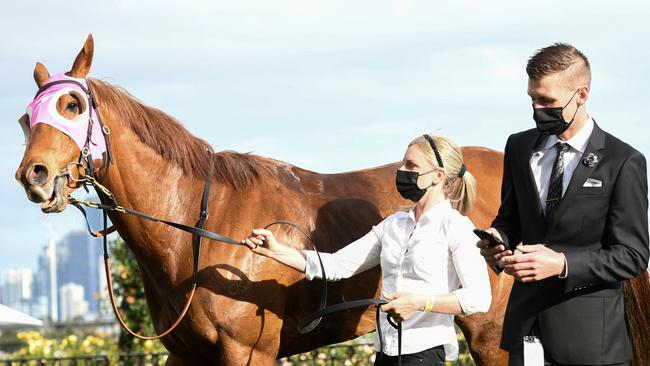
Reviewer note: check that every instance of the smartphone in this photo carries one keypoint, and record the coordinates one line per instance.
(486, 235)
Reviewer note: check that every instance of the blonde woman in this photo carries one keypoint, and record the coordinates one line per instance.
(431, 268)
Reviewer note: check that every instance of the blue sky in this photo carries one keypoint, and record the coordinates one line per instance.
(329, 86)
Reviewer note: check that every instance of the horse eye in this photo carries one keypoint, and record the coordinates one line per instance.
(72, 106)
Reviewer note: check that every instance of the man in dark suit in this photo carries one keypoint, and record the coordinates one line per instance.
(574, 224)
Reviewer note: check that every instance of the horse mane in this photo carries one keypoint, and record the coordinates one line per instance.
(175, 144)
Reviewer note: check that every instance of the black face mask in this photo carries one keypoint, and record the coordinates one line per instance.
(550, 121)
(407, 185)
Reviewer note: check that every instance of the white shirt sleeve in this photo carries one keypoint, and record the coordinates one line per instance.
(474, 295)
(354, 258)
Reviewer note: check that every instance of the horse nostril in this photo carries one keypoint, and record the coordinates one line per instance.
(37, 174)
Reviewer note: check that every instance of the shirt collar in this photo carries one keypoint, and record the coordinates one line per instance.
(433, 212)
(578, 141)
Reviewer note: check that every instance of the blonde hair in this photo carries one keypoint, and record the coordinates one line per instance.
(460, 190)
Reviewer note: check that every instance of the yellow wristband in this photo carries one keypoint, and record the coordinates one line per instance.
(429, 305)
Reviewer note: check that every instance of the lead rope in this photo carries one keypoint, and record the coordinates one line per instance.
(309, 323)
(196, 250)
(108, 203)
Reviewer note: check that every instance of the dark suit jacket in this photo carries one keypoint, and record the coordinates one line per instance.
(603, 232)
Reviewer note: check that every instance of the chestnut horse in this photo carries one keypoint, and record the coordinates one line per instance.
(247, 307)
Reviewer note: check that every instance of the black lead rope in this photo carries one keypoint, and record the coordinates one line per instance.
(360, 303)
(306, 325)
(309, 323)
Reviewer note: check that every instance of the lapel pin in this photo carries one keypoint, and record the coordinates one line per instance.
(590, 160)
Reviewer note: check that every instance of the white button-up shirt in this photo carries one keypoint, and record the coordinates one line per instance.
(541, 163)
(434, 256)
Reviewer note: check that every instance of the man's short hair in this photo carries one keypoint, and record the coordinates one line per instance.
(560, 57)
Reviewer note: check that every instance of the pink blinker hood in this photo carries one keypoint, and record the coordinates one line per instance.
(43, 110)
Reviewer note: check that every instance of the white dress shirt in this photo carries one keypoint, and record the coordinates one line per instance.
(541, 163)
(434, 256)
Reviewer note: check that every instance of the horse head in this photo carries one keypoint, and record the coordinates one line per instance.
(56, 127)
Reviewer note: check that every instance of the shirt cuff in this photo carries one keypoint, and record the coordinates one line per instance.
(312, 267)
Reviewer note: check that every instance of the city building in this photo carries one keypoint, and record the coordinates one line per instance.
(73, 303)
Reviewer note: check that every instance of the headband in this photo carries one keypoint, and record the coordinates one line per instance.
(463, 168)
(435, 149)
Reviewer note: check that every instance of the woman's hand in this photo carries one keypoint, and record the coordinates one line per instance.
(263, 242)
(403, 305)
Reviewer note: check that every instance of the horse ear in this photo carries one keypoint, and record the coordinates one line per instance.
(41, 75)
(81, 66)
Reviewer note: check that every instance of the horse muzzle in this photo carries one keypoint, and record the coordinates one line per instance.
(40, 189)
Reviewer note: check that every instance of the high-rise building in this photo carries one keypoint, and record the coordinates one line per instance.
(17, 288)
(45, 301)
(73, 303)
(77, 262)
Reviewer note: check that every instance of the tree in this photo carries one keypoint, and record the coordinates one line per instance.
(130, 298)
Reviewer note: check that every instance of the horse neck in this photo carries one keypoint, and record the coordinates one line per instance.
(141, 179)
(144, 182)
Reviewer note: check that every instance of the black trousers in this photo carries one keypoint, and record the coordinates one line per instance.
(517, 359)
(429, 357)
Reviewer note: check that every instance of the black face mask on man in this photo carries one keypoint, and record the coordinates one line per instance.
(407, 185)
(550, 121)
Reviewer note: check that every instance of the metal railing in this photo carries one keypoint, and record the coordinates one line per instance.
(100, 360)
(336, 355)
(130, 359)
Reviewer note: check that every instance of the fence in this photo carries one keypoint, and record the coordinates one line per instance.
(360, 354)
(132, 359)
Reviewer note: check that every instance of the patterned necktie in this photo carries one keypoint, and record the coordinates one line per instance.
(555, 182)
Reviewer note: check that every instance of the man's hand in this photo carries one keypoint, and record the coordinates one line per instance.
(533, 263)
(494, 254)
(403, 305)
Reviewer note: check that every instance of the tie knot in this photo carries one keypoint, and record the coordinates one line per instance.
(562, 147)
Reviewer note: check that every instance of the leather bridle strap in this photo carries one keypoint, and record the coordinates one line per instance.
(356, 304)
(197, 231)
(196, 248)
(105, 196)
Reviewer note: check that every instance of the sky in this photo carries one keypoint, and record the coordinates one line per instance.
(329, 86)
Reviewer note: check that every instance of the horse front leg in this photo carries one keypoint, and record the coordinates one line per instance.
(250, 340)
(237, 354)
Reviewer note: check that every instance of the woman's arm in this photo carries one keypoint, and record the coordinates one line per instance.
(474, 294)
(354, 258)
(404, 305)
(263, 242)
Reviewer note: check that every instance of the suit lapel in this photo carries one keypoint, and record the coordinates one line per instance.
(534, 202)
(582, 171)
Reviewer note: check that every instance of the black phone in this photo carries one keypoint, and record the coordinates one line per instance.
(486, 235)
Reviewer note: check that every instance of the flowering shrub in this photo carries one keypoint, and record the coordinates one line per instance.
(36, 345)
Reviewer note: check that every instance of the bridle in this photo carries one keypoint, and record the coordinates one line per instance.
(108, 203)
